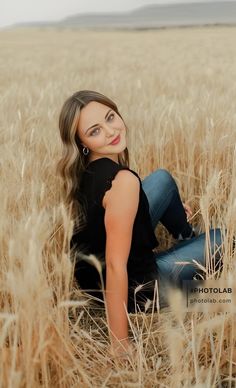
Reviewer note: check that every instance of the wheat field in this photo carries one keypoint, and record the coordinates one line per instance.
(175, 89)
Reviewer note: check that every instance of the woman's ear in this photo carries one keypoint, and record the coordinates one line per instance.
(78, 142)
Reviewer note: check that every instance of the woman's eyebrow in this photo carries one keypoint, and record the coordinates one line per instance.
(94, 125)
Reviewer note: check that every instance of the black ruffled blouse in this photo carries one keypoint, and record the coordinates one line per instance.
(141, 266)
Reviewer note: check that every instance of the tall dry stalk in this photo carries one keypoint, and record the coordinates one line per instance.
(176, 92)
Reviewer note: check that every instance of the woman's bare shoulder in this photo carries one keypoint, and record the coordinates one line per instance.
(125, 186)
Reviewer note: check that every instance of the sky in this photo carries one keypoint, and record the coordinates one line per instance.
(15, 11)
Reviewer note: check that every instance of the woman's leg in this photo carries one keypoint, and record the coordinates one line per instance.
(165, 204)
(176, 264)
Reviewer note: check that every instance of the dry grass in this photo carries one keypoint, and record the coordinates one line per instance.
(176, 91)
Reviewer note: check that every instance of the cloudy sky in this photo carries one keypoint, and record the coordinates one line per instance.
(13, 11)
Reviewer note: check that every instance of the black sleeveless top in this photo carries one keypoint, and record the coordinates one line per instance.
(141, 266)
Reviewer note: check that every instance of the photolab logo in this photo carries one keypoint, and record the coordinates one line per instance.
(212, 290)
(209, 295)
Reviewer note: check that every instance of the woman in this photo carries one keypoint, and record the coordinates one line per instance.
(115, 214)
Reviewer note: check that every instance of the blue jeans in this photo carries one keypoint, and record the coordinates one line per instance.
(165, 206)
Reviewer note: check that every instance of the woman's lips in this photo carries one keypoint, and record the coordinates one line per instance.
(116, 140)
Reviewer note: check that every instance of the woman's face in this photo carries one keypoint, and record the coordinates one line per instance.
(106, 126)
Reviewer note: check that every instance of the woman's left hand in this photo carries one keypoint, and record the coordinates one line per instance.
(188, 211)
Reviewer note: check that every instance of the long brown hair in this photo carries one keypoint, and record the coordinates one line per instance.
(73, 162)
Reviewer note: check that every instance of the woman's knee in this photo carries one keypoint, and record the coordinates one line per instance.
(164, 178)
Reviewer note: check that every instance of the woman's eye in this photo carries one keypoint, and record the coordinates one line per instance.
(91, 133)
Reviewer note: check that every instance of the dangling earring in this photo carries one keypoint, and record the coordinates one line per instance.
(84, 151)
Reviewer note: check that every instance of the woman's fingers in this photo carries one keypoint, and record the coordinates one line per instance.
(188, 210)
(123, 355)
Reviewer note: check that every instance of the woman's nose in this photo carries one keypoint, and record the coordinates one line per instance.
(109, 130)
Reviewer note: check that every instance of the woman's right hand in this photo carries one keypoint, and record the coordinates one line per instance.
(122, 352)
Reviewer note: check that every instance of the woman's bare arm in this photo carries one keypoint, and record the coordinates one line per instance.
(121, 204)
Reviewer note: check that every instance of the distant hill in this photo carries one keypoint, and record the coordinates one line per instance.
(153, 16)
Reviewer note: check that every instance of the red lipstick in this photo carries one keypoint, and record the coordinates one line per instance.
(116, 140)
